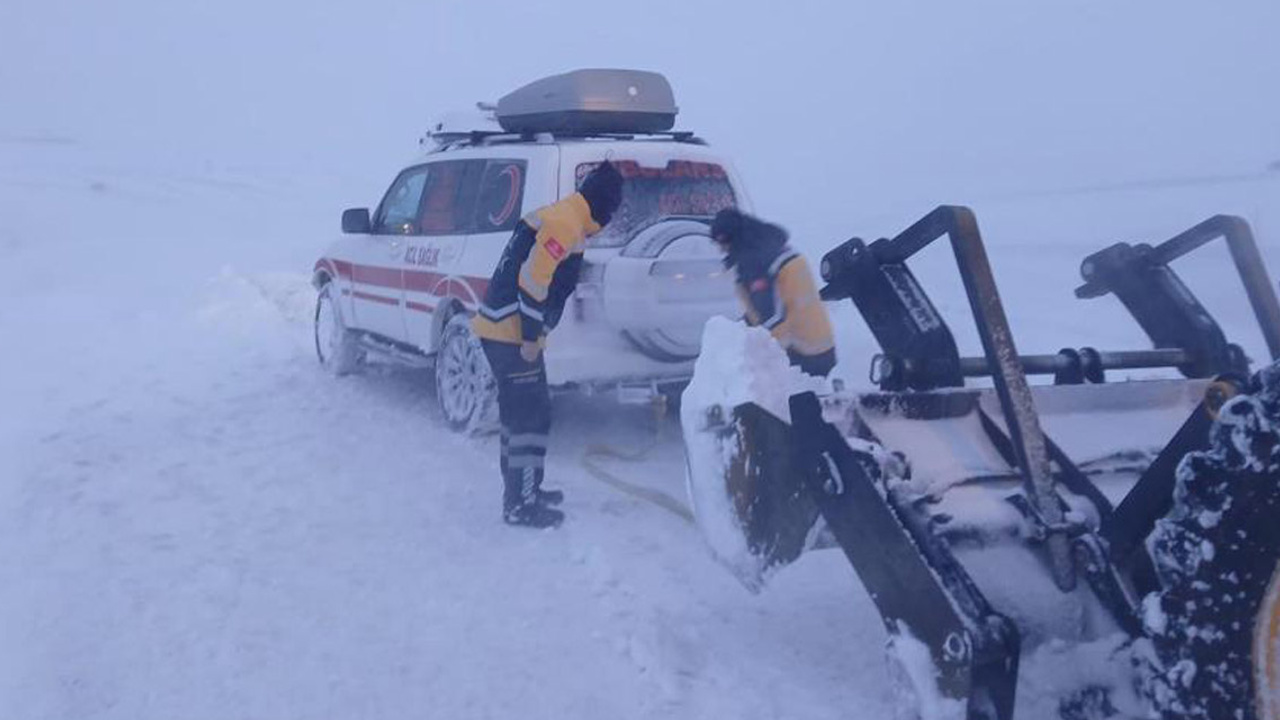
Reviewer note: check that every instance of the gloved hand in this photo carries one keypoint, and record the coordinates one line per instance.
(551, 317)
(529, 351)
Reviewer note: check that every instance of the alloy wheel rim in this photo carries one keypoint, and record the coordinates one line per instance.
(457, 383)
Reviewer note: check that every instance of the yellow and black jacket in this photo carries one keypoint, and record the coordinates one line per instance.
(778, 291)
(537, 273)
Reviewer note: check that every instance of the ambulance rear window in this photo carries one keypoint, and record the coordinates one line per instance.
(649, 194)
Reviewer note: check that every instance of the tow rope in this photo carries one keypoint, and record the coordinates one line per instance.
(647, 494)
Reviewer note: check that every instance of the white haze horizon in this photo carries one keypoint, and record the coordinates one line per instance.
(832, 110)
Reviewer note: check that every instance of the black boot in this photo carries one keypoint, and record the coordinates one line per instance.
(545, 497)
(534, 515)
(549, 497)
(522, 501)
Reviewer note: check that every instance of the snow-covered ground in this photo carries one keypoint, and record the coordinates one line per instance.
(197, 522)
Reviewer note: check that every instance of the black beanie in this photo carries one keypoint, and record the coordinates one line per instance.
(727, 224)
(602, 189)
(746, 233)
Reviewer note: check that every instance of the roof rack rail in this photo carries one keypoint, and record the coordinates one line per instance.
(480, 138)
(676, 135)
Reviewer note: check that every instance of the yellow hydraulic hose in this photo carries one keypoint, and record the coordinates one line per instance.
(647, 494)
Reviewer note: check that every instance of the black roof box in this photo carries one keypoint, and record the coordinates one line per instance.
(587, 102)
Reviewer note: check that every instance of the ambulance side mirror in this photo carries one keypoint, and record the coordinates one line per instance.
(355, 221)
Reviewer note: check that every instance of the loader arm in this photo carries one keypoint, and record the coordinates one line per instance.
(917, 585)
(902, 318)
(1140, 277)
(1248, 262)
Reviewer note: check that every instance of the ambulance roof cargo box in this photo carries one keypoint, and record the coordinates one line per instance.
(589, 102)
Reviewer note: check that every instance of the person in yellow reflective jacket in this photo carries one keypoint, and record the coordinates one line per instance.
(777, 288)
(537, 273)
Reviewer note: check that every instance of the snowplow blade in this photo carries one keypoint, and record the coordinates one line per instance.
(760, 507)
(747, 498)
(766, 518)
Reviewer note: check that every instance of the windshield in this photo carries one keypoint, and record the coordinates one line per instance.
(681, 189)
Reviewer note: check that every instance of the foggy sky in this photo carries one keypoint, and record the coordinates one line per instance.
(834, 107)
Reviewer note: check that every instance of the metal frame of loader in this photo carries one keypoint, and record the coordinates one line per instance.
(889, 537)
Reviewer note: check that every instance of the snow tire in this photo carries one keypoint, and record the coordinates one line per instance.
(465, 388)
(337, 346)
(1213, 624)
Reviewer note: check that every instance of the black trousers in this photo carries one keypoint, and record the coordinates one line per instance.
(524, 411)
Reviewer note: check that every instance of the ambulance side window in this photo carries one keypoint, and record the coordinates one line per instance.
(450, 198)
(398, 212)
(501, 196)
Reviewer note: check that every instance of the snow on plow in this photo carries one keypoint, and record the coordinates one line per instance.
(1086, 549)
(741, 381)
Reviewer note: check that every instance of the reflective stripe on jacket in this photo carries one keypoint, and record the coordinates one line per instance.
(537, 273)
(782, 297)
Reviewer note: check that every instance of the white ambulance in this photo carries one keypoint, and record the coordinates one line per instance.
(401, 282)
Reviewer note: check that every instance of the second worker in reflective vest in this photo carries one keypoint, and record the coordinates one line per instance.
(777, 288)
(537, 273)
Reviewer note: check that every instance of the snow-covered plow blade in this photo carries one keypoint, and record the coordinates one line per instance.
(1081, 549)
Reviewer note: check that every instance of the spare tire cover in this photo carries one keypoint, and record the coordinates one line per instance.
(664, 285)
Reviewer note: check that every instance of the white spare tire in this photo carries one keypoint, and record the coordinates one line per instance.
(663, 287)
